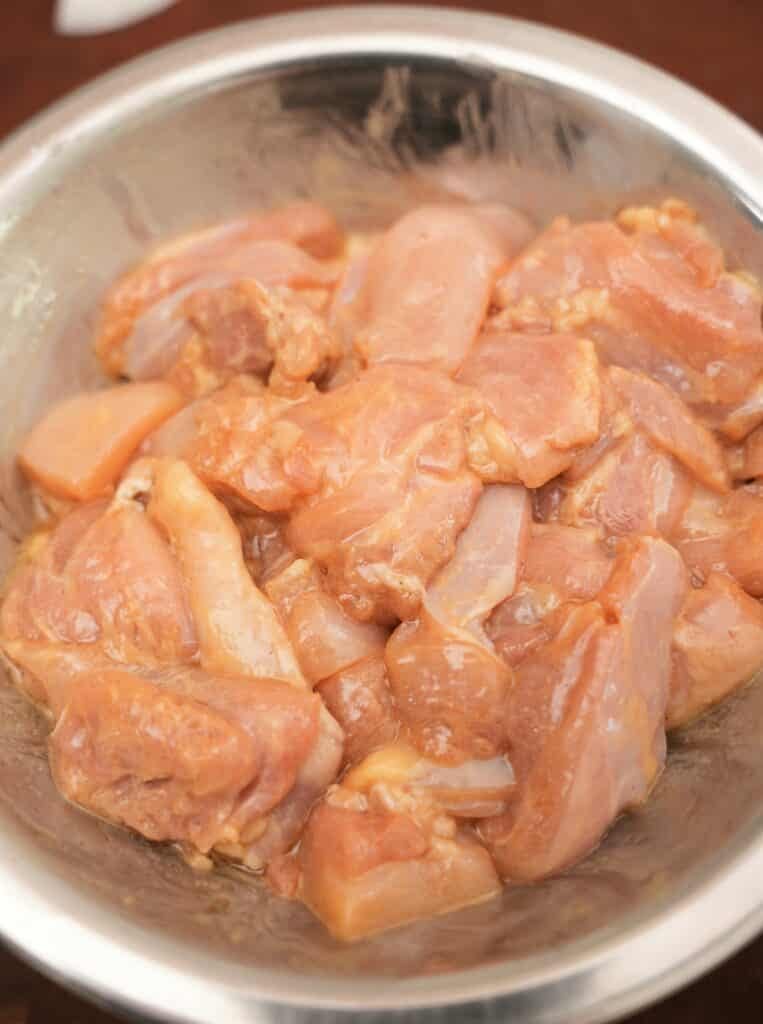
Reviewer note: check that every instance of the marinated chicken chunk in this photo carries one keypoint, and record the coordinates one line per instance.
(638, 476)
(106, 580)
(586, 718)
(670, 425)
(218, 326)
(717, 646)
(360, 700)
(390, 563)
(81, 447)
(653, 295)
(374, 476)
(279, 247)
(563, 564)
(632, 489)
(239, 632)
(476, 788)
(543, 392)
(344, 658)
(324, 637)
(189, 757)
(427, 287)
(284, 824)
(572, 560)
(723, 534)
(363, 870)
(449, 684)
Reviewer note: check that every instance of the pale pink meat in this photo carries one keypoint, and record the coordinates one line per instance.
(183, 756)
(396, 774)
(325, 639)
(392, 487)
(373, 436)
(572, 560)
(717, 646)
(239, 632)
(586, 717)
(238, 446)
(285, 822)
(347, 308)
(653, 297)
(450, 689)
(562, 564)
(633, 489)
(643, 595)
(427, 288)
(494, 496)
(104, 578)
(724, 534)
(543, 391)
(82, 445)
(524, 622)
(221, 325)
(263, 246)
(488, 560)
(176, 437)
(365, 871)
(360, 700)
(449, 685)
(667, 421)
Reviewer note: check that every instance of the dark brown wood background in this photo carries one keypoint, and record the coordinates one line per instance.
(714, 44)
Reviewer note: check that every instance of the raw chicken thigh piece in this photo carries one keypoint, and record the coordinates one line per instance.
(717, 646)
(103, 579)
(724, 534)
(586, 717)
(449, 685)
(391, 490)
(263, 246)
(427, 287)
(543, 392)
(360, 700)
(562, 564)
(572, 560)
(364, 869)
(325, 639)
(81, 446)
(452, 477)
(219, 326)
(478, 788)
(632, 489)
(239, 631)
(651, 293)
(199, 759)
(671, 426)
(283, 826)
(344, 658)
(488, 559)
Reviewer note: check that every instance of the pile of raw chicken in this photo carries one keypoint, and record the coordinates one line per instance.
(390, 560)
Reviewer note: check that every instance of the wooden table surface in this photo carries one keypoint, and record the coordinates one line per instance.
(714, 46)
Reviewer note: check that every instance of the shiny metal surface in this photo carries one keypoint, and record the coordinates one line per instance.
(369, 110)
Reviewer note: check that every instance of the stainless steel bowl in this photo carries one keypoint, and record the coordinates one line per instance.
(369, 110)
